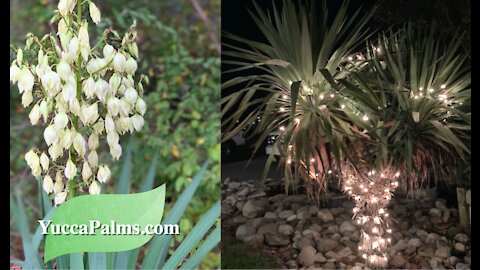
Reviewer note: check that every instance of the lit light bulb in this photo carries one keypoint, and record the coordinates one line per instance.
(382, 175)
(290, 146)
(365, 189)
(312, 160)
(282, 128)
(321, 96)
(421, 88)
(282, 109)
(386, 214)
(332, 95)
(365, 117)
(350, 58)
(297, 120)
(290, 82)
(379, 49)
(364, 256)
(343, 106)
(397, 174)
(289, 161)
(284, 96)
(389, 240)
(329, 171)
(443, 86)
(389, 230)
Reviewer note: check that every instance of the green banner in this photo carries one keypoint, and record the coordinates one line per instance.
(103, 223)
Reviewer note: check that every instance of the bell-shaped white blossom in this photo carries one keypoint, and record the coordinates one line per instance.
(14, 73)
(55, 151)
(80, 145)
(66, 6)
(34, 114)
(93, 141)
(69, 92)
(103, 174)
(131, 66)
(60, 121)
(74, 106)
(58, 185)
(84, 41)
(33, 162)
(116, 151)
(89, 114)
(74, 46)
(88, 87)
(119, 62)
(27, 98)
(113, 106)
(51, 83)
(109, 52)
(44, 110)
(86, 171)
(94, 188)
(64, 70)
(50, 135)
(94, 13)
(60, 198)
(109, 124)
(138, 122)
(93, 159)
(112, 138)
(62, 27)
(125, 107)
(101, 90)
(67, 138)
(99, 127)
(140, 106)
(115, 83)
(25, 80)
(44, 161)
(70, 170)
(48, 184)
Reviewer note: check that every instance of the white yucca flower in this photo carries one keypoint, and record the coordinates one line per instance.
(93, 159)
(60, 198)
(94, 13)
(44, 161)
(86, 171)
(119, 62)
(93, 141)
(25, 80)
(103, 174)
(48, 184)
(140, 106)
(81, 93)
(94, 188)
(70, 170)
(34, 114)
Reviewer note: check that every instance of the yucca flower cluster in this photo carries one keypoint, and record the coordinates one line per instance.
(82, 96)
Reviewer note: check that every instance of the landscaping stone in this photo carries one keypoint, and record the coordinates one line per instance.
(435, 212)
(285, 214)
(244, 231)
(268, 228)
(276, 240)
(462, 266)
(397, 261)
(460, 247)
(285, 229)
(326, 244)
(250, 210)
(442, 252)
(461, 237)
(415, 242)
(347, 226)
(307, 256)
(320, 258)
(271, 215)
(325, 215)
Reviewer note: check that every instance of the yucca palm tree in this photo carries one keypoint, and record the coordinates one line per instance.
(419, 88)
(291, 95)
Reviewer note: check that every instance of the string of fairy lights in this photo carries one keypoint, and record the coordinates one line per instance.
(372, 193)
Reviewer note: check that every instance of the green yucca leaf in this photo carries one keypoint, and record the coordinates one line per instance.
(192, 239)
(210, 242)
(123, 186)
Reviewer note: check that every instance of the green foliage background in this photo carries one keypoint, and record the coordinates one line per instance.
(178, 52)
